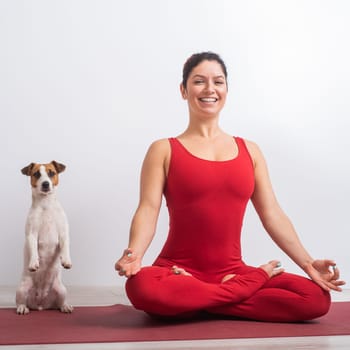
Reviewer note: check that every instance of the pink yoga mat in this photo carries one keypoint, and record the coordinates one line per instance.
(122, 323)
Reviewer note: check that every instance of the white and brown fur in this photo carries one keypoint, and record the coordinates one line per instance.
(46, 245)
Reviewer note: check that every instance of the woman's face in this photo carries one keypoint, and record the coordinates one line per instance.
(206, 89)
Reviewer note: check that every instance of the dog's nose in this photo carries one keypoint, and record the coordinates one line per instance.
(45, 185)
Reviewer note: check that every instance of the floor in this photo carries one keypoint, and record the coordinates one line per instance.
(84, 296)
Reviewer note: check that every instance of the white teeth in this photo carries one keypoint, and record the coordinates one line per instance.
(208, 99)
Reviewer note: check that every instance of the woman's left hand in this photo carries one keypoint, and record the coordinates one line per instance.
(325, 273)
(129, 264)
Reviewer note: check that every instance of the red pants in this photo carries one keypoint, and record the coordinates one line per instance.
(251, 295)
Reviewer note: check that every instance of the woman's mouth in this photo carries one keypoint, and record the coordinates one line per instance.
(208, 99)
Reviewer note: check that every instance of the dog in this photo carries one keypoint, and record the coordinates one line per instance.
(46, 245)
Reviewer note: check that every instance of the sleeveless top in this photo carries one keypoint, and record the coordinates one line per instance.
(206, 201)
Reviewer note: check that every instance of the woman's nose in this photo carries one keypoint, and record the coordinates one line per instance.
(209, 88)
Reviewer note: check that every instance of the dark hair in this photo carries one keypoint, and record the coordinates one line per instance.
(198, 58)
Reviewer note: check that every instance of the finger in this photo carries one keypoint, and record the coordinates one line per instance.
(117, 266)
(128, 253)
(337, 282)
(180, 271)
(277, 271)
(329, 262)
(336, 273)
(275, 263)
(176, 270)
(334, 286)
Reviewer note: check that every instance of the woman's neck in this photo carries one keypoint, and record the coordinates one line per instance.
(207, 130)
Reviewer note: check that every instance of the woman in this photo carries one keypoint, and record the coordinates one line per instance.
(207, 178)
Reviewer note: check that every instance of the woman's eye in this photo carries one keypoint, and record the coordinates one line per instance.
(199, 82)
(219, 82)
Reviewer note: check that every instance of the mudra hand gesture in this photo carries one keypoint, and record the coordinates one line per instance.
(325, 273)
(129, 264)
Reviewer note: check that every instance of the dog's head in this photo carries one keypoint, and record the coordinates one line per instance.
(43, 177)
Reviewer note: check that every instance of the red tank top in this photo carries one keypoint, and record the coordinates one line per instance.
(206, 201)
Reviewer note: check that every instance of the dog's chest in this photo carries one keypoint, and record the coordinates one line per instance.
(47, 221)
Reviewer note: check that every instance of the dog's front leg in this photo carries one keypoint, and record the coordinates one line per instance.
(65, 255)
(32, 244)
(64, 248)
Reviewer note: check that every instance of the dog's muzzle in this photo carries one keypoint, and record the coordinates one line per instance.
(45, 186)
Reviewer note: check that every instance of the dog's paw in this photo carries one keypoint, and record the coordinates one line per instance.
(66, 308)
(66, 264)
(22, 309)
(33, 266)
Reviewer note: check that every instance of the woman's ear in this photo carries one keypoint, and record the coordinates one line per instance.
(183, 91)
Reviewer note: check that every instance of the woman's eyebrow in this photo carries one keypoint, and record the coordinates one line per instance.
(203, 76)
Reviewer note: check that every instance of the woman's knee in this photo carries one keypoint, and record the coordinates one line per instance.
(321, 304)
(317, 303)
(142, 289)
(309, 301)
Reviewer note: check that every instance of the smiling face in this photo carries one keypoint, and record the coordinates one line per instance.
(206, 89)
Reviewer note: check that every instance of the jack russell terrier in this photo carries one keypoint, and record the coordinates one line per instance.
(46, 244)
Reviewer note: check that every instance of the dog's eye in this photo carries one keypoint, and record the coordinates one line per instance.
(37, 174)
(51, 173)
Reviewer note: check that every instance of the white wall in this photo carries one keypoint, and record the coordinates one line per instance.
(93, 83)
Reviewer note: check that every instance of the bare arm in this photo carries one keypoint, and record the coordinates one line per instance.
(144, 222)
(281, 229)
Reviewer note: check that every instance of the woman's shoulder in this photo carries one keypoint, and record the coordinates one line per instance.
(160, 147)
(249, 143)
(160, 144)
(253, 149)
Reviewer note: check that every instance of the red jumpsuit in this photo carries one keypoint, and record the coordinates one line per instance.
(206, 201)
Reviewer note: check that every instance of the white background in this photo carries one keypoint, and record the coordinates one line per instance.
(92, 83)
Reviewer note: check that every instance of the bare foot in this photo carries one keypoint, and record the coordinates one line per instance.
(228, 277)
(179, 271)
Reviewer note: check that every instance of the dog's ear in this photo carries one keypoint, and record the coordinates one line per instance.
(28, 169)
(58, 166)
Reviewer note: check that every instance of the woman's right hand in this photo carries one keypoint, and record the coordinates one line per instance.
(129, 264)
(272, 268)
